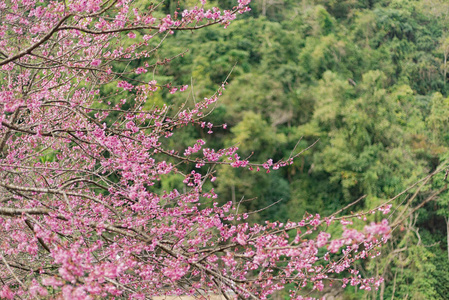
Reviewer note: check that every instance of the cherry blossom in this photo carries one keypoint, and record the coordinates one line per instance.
(80, 215)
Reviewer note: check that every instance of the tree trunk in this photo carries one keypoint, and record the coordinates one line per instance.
(447, 235)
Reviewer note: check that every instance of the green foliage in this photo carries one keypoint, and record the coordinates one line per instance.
(255, 133)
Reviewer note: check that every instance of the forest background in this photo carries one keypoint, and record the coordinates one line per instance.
(368, 79)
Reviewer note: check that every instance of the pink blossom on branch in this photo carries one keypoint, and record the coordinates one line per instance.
(95, 62)
(80, 217)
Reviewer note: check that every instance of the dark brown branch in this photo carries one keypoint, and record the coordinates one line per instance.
(85, 30)
(40, 240)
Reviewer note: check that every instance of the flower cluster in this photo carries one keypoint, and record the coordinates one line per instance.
(84, 209)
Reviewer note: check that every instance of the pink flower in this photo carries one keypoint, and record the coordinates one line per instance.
(141, 70)
(131, 35)
(385, 209)
(380, 228)
(241, 239)
(125, 85)
(322, 239)
(95, 62)
(335, 245)
(6, 293)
